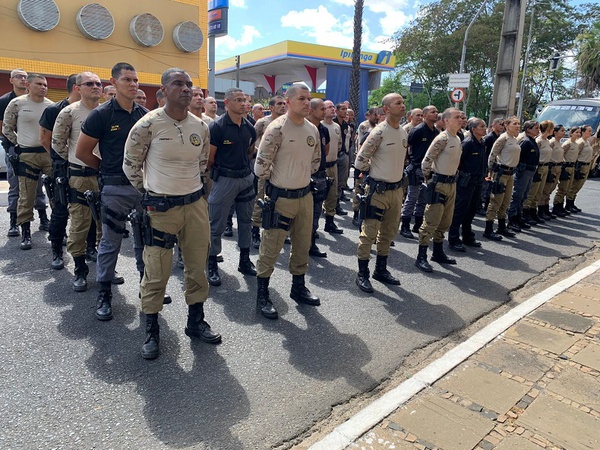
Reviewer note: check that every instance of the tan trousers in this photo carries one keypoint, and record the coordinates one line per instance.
(81, 217)
(549, 187)
(578, 184)
(499, 202)
(535, 193)
(438, 216)
(564, 186)
(42, 164)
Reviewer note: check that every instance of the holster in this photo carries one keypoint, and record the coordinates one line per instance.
(319, 188)
(365, 209)
(13, 155)
(564, 175)
(578, 174)
(551, 178)
(497, 187)
(61, 186)
(214, 173)
(137, 224)
(60, 168)
(48, 183)
(93, 201)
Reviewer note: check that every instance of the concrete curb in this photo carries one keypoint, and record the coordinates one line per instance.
(346, 433)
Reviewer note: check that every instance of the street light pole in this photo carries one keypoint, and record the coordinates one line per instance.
(522, 91)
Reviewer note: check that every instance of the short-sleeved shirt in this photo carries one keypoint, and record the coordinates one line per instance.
(48, 120)
(419, 140)
(110, 124)
(335, 134)
(232, 142)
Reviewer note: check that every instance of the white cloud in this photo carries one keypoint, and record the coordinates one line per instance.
(239, 3)
(230, 43)
(392, 21)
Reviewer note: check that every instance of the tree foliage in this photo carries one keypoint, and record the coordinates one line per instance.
(589, 59)
(430, 48)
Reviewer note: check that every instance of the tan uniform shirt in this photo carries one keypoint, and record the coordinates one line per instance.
(288, 154)
(383, 153)
(407, 127)
(207, 120)
(545, 149)
(363, 129)
(335, 143)
(586, 153)
(23, 114)
(67, 129)
(505, 151)
(166, 156)
(571, 150)
(558, 155)
(260, 127)
(443, 155)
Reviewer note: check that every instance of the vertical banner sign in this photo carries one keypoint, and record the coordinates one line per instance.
(217, 17)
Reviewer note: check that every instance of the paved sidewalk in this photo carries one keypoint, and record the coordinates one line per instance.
(537, 385)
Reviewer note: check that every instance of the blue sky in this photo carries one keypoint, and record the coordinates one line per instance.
(257, 23)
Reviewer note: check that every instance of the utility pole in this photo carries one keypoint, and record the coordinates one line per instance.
(525, 61)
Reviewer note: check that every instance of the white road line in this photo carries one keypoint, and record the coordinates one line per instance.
(346, 433)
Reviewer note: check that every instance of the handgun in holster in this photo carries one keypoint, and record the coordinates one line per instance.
(214, 173)
(93, 200)
(48, 183)
(578, 173)
(61, 186)
(365, 209)
(13, 155)
(497, 187)
(564, 175)
(137, 224)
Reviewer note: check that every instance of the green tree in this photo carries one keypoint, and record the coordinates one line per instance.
(589, 59)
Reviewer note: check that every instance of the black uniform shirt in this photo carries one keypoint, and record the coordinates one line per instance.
(325, 139)
(530, 152)
(110, 124)
(232, 142)
(419, 139)
(473, 159)
(4, 101)
(49, 118)
(488, 142)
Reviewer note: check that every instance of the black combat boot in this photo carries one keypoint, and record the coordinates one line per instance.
(381, 272)
(570, 207)
(421, 261)
(439, 256)
(255, 237)
(301, 294)
(355, 220)
(524, 220)
(81, 273)
(533, 213)
(214, 279)
(362, 278)
(418, 223)
(150, 346)
(489, 231)
(559, 210)
(566, 208)
(542, 213)
(574, 207)
(13, 229)
(331, 227)
(44, 222)
(263, 303)
(503, 230)
(198, 327)
(57, 255)
(246, 266)
(550, 213)
(405, 228)
(91, 254)
(314, 249)
(26, 236)
(103, 302)
(339, 210)
(513, 224)
(229, 227)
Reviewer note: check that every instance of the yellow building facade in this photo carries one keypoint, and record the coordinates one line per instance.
(151, 35)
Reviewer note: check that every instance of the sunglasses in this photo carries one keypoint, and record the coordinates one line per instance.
(91, 83)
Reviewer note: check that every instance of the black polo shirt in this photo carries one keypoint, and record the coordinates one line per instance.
(110, 124)
(473, 159)
(48, 120)
(325, 139)
(419, 139)
(344, 129)
(4, 101)
(530, 152)
(232, 142)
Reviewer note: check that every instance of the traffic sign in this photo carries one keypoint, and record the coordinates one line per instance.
(458, 95)
(459, 80)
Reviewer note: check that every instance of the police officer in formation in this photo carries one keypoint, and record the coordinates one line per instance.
(165, 153)
(289, 153)
(382, 156)
(82, 178)
(536, 213)
(21, 127)
(571, 152)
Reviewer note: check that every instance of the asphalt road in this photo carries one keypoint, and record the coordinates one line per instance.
(69, 381)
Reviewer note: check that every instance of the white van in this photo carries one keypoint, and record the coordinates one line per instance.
(573, 112)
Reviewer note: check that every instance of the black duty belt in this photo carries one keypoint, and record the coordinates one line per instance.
(330, 164)
(292, 193)
(162, 203)
(76, 170)
(32, 149)
(115, 180)
(543, 164)
(243, 173)
(438, 178)
(505, 169)
(568, 164)
(382, 186)
(583, 164)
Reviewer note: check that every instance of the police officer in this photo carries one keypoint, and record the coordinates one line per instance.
(343, 165)
(20, 126)
(539, 179)
(210, 107)
(363, 130)
(18, 79)
(288, 155)
(277, 108)
(232, 140)
(472, 171)
(419, 140)
(197, 105)
(65, 133)
(582, 166)
(332, 167)
(497, 129)
(382, 155)
(439, 169)
(414, 118)
(108, 126)
(554, 169)
(320, 181)
(165, 153)
(571, 152)
(502, 162)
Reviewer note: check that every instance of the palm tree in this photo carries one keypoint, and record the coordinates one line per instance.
(355, 74)
(589, 59)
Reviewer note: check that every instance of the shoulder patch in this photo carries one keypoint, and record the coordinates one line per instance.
(195, 140)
